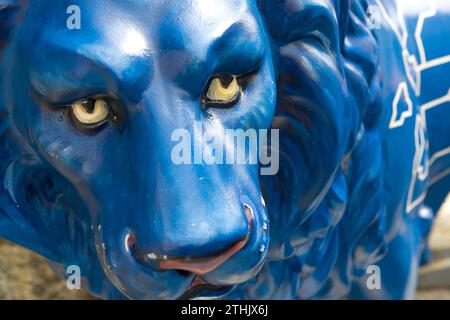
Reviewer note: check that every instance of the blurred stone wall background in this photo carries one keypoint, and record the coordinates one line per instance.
(435, 278)
(24, 275)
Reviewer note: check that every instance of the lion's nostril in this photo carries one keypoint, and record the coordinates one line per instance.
(249, 215)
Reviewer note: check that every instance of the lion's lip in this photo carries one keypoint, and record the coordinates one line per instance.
(204, 265)
(201, 289)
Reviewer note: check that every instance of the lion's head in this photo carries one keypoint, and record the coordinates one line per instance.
(87, 122)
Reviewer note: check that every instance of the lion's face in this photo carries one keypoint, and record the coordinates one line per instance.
(144, 69)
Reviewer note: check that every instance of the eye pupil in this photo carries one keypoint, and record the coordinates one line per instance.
(88, 105)
(226, 80)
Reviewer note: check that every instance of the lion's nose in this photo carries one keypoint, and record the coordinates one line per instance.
(204, 265)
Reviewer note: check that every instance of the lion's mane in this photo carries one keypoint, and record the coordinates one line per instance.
(329, 119)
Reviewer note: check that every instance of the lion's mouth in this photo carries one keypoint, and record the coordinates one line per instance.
(200, 289)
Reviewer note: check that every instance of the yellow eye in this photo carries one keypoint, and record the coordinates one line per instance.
(220, 92)
(91, 112)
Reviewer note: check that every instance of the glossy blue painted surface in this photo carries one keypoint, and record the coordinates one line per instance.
(363, 116)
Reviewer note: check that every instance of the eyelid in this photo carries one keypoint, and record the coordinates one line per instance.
(44, 102)
(102, 96)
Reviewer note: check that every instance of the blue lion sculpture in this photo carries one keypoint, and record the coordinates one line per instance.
(357, 90)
